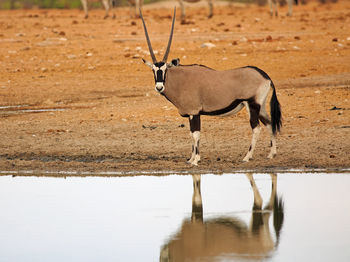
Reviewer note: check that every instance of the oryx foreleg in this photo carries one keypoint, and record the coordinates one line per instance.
(105, 4)
(197, 207)
(195, 127)
(290, 7)
(182, 6)
(85, 7)
(254, 110)
(210, 3)
(273, 6)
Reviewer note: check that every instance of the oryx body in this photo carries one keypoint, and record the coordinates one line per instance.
(108, 4)
(274, 3)
(197, 90)
(182, 6)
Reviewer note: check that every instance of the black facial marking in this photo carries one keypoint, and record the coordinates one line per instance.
(159, 64)
(158, 73)
(159, 76)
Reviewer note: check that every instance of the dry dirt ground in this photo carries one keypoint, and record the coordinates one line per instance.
(75, 95)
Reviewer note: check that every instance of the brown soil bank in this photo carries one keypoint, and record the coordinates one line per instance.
(74, 94)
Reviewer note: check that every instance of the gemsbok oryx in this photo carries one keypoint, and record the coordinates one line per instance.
(108, 4)
(182, 6)
(228, 238)
(198, 90)
(274, 3)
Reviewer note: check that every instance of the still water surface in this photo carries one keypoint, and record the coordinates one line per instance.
(231, 217)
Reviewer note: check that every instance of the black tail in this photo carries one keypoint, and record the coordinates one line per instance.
(278, 217)
(275, 111)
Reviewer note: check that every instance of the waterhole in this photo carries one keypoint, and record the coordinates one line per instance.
(229, 217)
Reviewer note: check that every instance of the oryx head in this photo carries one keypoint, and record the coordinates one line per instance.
(160, 68)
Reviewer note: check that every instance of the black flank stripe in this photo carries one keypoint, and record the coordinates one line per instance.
(225, 110)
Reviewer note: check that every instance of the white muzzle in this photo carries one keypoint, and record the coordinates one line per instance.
(159, 87)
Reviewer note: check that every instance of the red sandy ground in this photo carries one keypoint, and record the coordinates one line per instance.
(111, 118)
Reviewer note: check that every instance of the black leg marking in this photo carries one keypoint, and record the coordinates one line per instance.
(250, 148)
(254, 109)
(264, 120)
(195, 123)
(195, 127)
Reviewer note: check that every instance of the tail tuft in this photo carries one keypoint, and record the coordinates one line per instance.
(275, 111)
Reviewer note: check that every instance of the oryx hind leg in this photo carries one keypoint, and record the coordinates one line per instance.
(266, 120)
(254, 110)
(195, 127)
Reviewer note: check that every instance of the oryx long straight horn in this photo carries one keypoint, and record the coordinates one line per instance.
(154, 59)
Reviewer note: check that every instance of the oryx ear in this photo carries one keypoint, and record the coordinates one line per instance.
(174, 62)
(147, 63)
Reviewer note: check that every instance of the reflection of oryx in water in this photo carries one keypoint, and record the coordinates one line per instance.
(274, 3)
(197, 90)
(229, 237)
(108, 4)
(182, 6)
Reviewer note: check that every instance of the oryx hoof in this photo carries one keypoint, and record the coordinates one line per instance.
(105, 17)
(271, 155)
(210, 16)
(86, 16)
(194, 161)
(247, 158)
(189, 161)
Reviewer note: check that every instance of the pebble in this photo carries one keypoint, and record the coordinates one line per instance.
(243, 39)
(26, 48)
(208, 45)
